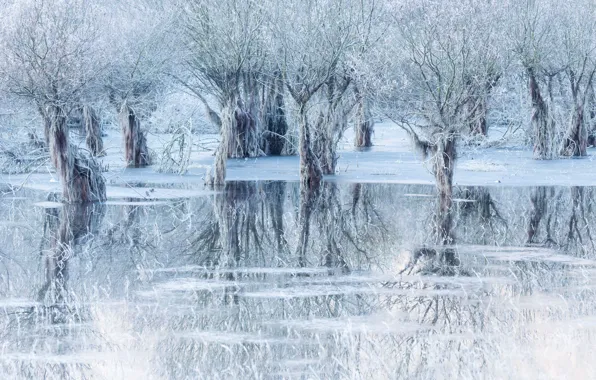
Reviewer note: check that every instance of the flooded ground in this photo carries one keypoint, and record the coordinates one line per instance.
(235, 284)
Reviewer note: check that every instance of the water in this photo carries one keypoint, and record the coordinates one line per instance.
(219, 285)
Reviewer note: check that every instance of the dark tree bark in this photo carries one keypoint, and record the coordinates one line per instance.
(443, 169)
(81, 176)
(542, 123)
(331, 123)
(136, 152)
(275, 124)
(575, 141)
(92, 127)
(478, 107)
(235, 133)
(311, 174)
(364, 127)
(242, 140)
(310, 169)
(591, 107)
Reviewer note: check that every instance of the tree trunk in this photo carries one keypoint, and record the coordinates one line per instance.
(542, 124)
(591, 126)
(310, 170)
(331, 124)
(240, 126)
(253, 111)
(576, 139)
(93, 138)
(136, 152)
(364, 125)
(478, 124)
(275, 122)
(217, 174)
(329, 129)
(443, 168)
(81, 176)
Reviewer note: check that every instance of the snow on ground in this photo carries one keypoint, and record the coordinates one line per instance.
(391, 160)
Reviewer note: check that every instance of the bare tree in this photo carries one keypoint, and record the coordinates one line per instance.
(224, 59)
(438, 66)
(579, 55)
(50, 58)
(314, 41)
(535, 44)
(140, 55)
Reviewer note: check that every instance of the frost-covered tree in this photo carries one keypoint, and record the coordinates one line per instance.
(140, 53)
(314, 42)
(437, 61)
(224, 59)
(536, 44)
(49, 56)
(578, 39)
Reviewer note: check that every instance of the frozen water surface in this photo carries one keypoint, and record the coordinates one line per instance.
(169, 281)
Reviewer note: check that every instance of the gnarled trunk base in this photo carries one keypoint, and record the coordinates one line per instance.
(80, 176)
(136, 152)
(575, 142)
(311, 174)
(542, 124)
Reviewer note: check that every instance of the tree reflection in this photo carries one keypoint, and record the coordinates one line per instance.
(53, 326)
(65, 228)
(236, 284)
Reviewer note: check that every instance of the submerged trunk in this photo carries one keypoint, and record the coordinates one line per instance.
(330, 128)
(331, 124)
(92, 127)
(576, 139)
(239, 126)
(310, 170)
(542, 124)
(217, 174)
(364, 124)
(275, 122)
(443, 169)
(80, 176)
(136, 152)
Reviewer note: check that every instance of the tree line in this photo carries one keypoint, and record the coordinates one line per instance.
(262, 69)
